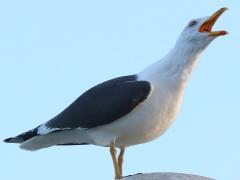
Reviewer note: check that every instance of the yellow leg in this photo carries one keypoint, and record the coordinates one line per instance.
(115, 162)
(120, 160)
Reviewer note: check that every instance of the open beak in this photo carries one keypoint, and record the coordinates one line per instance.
(207, 26)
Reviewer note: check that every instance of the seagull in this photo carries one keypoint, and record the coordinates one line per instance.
(128, 110)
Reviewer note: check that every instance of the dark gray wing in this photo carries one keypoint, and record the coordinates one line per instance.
(103, 103)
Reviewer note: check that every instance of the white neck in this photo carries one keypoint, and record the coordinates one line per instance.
(177, 64)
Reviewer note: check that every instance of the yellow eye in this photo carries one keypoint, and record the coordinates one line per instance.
(193, 23)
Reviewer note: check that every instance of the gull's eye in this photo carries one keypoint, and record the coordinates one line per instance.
(193, 23)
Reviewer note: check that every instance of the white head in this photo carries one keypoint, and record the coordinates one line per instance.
(198, 32)
(180, 60)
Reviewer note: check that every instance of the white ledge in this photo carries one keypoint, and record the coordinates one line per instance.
(165, 176)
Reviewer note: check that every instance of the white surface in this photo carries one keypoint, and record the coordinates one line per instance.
(166, 176)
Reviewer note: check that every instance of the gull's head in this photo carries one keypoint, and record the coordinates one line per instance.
(198, 32)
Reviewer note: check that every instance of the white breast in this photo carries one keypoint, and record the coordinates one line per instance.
(152, 117)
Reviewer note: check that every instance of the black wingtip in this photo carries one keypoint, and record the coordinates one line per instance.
(7, 140)
(22, 137)
(13, 140)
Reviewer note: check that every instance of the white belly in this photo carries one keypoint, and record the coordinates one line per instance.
(146, 122)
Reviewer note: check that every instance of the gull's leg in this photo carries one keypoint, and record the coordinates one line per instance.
(115, 162)
(120, 160)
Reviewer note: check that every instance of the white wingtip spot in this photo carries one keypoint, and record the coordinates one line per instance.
(43, 129)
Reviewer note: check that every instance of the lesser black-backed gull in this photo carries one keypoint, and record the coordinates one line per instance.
(128, 110)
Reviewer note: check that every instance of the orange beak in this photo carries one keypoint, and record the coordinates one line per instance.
(209, 23)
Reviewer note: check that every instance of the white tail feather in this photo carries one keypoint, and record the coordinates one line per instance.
(61, 137)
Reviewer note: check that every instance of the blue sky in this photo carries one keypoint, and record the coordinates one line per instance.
(52, 51)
